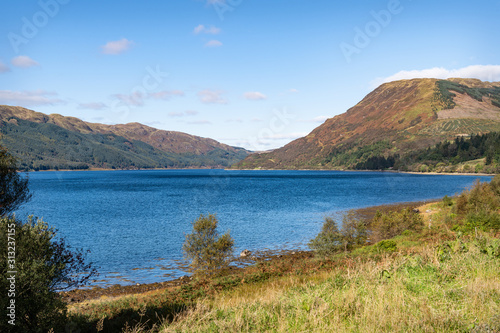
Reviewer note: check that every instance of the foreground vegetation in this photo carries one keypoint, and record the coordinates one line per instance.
(436, 270)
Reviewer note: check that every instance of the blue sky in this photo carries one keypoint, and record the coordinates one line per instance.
(250, 73)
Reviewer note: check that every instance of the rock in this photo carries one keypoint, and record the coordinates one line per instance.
(245, 253)
(416, 210)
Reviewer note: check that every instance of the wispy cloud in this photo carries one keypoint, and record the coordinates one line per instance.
(254, 95)
(134, 99)
(29, 98)
(166, 94)
(294, 91)
(208, 96)
(213, 43)
(183, 114)
(24, 62)
(92, 106)
(117, 46)
(481, 72)
(4, 68)
(201, 29)
(138, 99)
(199, 122)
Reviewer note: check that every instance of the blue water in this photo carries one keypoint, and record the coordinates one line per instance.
(134, 222)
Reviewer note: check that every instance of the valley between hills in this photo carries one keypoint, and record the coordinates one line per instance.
(419, 125)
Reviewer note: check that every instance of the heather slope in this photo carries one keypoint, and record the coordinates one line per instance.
(53, 141)
(395, 118)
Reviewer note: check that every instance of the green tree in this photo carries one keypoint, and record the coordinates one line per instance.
(43, 265)
(14, 189)
(330, 240)
(208, 251)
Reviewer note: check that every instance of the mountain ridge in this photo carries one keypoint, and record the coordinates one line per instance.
(140, 145)
(395, 117)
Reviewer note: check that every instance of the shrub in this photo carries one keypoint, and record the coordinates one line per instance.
(385, 226)
(13, 188)
(44, 265)
(447, 201)
(331, 240)
(387, 245)
(208, 251)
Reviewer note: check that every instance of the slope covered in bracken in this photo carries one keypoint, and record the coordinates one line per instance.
(395, 118)
(55, 141)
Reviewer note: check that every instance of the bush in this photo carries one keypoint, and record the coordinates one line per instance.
(387, 245)
(447, 201)
(207, 251)
(13, 188)
(385, 226)
(43, 266)
(331, 240)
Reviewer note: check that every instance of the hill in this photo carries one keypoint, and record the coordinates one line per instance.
(396, 118)
(53, 141)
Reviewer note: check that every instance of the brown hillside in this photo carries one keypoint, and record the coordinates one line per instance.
(167, 141)
(395, 117)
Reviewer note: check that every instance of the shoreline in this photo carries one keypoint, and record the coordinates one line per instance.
(433, 173)
(88, 293)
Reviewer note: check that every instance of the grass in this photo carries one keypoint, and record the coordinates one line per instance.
(443, 278)
(403, 292)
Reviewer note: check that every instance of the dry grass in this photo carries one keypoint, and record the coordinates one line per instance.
(401, 293)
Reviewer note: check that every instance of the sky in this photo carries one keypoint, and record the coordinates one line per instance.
(249, 73)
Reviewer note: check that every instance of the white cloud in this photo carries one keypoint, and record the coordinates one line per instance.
(294, 91)
(4, 68)
(213, 43)
(165, 94)
(92, 105)
(135, 99)
(183, 114)
(208, 96)
(206, 30)
(28, 98)
(481, 72)
(24, 62)
(254, 95)
(199, 122)
(117, 46)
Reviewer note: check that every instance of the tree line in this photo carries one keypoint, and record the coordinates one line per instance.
(453, 152)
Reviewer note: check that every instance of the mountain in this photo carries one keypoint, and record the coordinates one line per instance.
(396, 118)
(53, 141)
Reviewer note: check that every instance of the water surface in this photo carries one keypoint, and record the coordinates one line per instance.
(134, 222)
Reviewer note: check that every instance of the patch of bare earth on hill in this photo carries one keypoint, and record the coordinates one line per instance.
(468, 107)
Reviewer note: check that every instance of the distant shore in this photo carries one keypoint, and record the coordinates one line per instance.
(227, 169)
